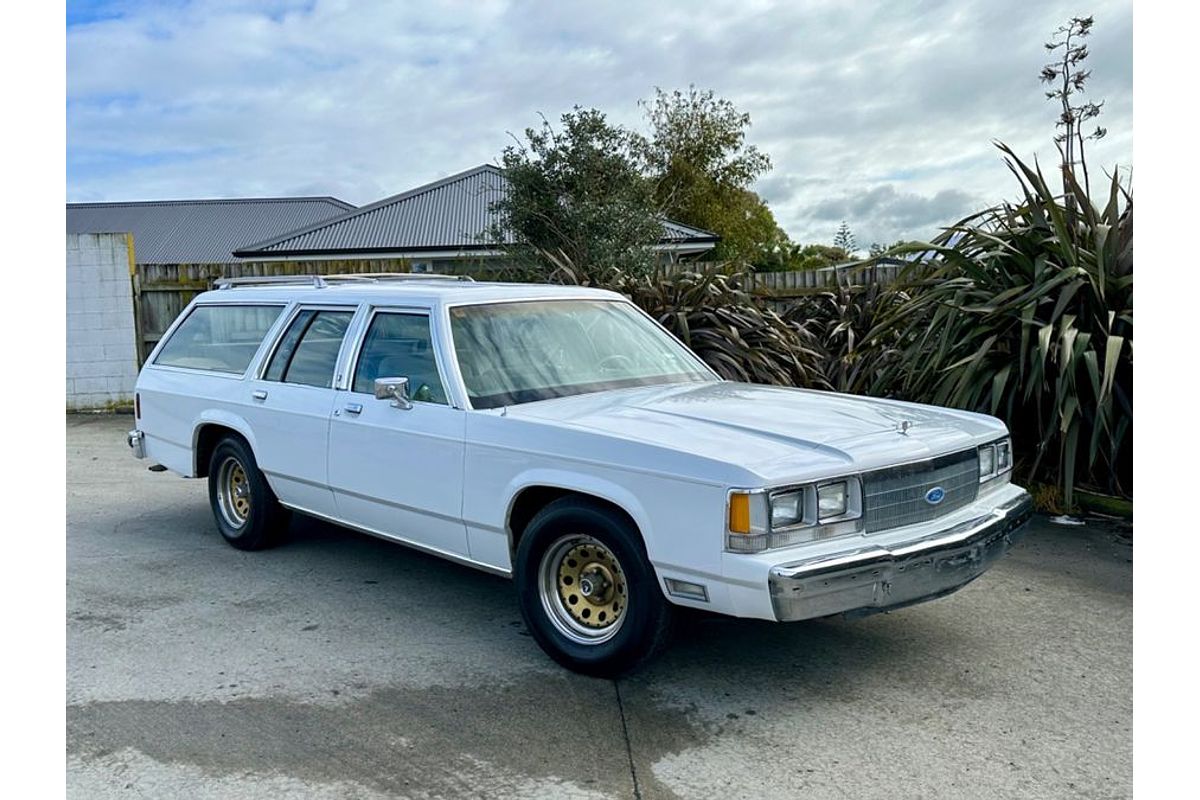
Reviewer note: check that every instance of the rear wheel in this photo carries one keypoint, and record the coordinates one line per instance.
(587, 591)
(247, 513)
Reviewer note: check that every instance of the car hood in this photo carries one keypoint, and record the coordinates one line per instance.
(776, 432)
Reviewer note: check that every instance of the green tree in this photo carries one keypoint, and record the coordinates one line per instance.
(792, 256)
(578, 207)
(844, 239)
(894, 249)
(697, 155)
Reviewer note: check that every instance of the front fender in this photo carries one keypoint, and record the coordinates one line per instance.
(584, 484)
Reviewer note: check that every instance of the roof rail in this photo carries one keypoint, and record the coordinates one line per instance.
(322, 281)
(398, 276)
(267, 280)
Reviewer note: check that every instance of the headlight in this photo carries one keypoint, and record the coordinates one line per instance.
(995, 460)
(760, 520)
(987, 462)
(831, 500)
(787, 508)
(1004, 456)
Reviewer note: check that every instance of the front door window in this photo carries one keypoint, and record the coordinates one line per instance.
(400, 346)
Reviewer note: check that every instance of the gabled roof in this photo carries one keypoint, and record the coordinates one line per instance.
(452, 215)
(678, 232)
(199, 231)
(448, 214)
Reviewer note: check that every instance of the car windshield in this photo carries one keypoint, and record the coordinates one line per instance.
(511, 353)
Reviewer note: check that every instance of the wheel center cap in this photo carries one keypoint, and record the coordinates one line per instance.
(593, 584)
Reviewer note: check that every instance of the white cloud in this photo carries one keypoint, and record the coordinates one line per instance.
(898, 103)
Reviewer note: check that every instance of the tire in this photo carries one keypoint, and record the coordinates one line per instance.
(618, 618)
(247, 512)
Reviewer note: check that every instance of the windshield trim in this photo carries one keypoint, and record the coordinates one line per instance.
(586, 295)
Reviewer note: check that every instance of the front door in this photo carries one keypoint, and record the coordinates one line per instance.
(394, 471)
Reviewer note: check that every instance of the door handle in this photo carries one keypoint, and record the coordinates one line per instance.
(259, 394)
(353, 408)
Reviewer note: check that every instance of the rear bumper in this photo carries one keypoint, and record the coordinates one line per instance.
(137, 441)
(875, 578)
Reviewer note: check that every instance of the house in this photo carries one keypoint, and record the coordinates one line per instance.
(442, 226)
(200, 231)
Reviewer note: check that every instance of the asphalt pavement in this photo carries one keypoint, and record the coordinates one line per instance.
(341, 666)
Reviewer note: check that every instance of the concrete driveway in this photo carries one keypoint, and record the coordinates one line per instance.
(340, 666)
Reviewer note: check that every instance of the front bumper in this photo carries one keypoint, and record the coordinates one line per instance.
(875, 578)
(137, 441)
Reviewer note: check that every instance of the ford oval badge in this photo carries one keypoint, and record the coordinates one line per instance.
(935, 495)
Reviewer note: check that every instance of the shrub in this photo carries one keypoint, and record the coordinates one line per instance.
(735, 333)
(1027, 313)
(839, 321)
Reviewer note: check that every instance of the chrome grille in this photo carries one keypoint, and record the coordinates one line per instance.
(895, 496)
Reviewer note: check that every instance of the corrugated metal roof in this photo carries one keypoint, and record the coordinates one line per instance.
(678, 232)
(451, 214)
(200, 231)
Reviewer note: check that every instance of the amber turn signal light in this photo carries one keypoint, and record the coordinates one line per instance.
(739, 513)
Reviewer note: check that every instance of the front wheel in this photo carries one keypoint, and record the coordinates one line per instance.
(587, 591)
(247, 513)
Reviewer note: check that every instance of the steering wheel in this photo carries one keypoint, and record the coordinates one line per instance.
(615, 361)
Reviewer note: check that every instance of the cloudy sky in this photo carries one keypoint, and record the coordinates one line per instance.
(881, 114)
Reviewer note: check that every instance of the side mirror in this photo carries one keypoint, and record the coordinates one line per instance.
(394, 388)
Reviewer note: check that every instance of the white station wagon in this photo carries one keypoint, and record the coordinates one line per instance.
(560, 436)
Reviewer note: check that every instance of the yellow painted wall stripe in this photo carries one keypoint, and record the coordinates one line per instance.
(129, 250)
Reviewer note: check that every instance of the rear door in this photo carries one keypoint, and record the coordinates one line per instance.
(398, 472)
(291, 401)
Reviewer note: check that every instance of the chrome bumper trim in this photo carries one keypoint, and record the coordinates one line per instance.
(876, 578)
(137, 441)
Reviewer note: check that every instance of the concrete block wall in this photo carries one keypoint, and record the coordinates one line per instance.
(101, 333)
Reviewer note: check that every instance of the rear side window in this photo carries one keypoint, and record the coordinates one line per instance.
(308, 351)
(218, 338)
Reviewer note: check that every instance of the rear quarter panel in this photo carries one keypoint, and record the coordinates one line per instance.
(176, 403)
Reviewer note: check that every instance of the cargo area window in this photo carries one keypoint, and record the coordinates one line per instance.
(220, 338)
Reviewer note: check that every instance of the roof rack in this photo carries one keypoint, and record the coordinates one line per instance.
(322, 281)
(267, 280)
(399, 276)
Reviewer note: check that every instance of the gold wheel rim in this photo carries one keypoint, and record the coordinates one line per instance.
(591, 586)
(239, 491)
(233, 489)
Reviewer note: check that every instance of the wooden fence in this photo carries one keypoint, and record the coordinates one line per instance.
(800, 282)
(162, 291)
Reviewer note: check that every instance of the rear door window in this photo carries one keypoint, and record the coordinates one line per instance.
(308, 351)
(218, 338)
